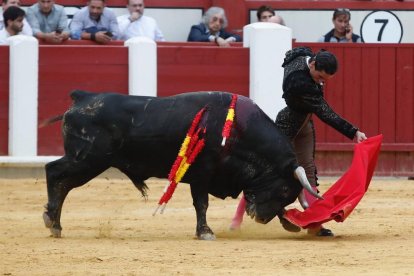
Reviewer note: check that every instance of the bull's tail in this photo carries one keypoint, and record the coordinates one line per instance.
(51, 120)
(80, 95)
(76, 96)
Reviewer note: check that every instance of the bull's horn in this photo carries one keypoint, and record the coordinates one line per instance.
(302, 200)
(301, 176)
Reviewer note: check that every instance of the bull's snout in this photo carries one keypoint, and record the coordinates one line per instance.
(261, 212)
(251, 210)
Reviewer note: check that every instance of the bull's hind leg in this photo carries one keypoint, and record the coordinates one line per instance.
(62, 176)
(200, 202)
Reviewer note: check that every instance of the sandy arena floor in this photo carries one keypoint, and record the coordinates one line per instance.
(108, 229)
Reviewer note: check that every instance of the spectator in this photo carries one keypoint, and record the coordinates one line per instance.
(135, 23)
(264, 13)
(27, 30)
(212, 29)
(48, 21)
(343, 30)
(13, 23)
(95, 22)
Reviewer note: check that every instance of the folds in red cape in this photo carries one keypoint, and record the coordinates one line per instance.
(343, 196)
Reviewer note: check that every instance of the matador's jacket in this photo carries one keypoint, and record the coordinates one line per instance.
(304, 96)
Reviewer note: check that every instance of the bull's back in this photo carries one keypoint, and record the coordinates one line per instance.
(139, 110)
(143, 128)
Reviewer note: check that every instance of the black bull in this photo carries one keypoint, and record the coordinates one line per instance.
(141, 137)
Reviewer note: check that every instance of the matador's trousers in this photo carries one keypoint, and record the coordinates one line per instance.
(304, 147)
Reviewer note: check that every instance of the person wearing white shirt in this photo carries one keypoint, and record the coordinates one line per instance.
(135, 23)
(13, 23)
(27, 30)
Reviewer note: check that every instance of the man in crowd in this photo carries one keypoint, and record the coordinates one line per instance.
(13, 23)
(267, 14)
(264, 13)
(27, 30)
(343, 30)
(48, 21)
(95, 22)
(135, 23)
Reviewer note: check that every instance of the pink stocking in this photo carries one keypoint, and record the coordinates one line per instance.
(310, 198)
(238, 216)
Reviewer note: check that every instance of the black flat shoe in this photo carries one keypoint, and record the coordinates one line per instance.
(325, 233)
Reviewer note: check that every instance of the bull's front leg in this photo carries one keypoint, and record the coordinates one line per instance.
(200, 202)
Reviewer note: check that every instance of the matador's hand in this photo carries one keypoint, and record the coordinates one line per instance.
(360, 136)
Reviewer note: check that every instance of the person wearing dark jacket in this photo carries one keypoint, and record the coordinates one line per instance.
(212, 29)
(304, 76)
(343, 30)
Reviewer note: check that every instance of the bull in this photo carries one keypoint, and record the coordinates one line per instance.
(141, 136)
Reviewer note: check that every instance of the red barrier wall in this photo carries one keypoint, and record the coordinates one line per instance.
(65, 68)
(96, 68)
(189, 68)
(4, 99)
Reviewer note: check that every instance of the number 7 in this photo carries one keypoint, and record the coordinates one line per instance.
(384, 23)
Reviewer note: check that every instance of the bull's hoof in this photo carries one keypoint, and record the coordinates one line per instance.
(204, 233)
(207, 237)
(47, 220)
(56, 233)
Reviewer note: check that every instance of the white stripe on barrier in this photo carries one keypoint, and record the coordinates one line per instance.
(24, 161)
(24, 56)
(142, 60)
(268, 43)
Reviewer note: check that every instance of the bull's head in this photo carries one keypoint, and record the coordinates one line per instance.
(265, 204)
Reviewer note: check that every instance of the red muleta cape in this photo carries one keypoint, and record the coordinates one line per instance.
(343, 196)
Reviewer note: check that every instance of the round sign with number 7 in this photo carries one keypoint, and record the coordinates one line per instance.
(381, 27)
